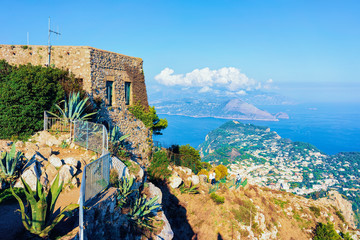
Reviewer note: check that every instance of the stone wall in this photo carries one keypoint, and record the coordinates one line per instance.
(95, 67)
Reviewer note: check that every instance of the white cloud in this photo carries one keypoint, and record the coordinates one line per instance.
(227, 78)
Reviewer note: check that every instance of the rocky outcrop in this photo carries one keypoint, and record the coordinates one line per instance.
(344, 206)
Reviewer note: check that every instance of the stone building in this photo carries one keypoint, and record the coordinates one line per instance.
(115, 78)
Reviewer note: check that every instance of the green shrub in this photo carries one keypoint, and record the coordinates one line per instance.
(25, 93)
(326, 232)
(245, 212)
(216, 198)
(158, 170)
(114, 178)
(315, 210)
(149, 117)
(221, 172)
(9, 162)
(339, 214)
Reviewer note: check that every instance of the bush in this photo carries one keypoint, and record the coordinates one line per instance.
(158, 169)
(339, 214)
(315, 210)
(203, 172)
(326, 232)
(25, 93)
(245, 212)
(216, 198)
(149, 117)
(221, 172)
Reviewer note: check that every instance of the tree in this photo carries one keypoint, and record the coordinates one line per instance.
(326, 232)
(149, 117)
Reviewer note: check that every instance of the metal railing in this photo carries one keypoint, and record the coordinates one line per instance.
(91, 136)
(96, 178)
(55, 124)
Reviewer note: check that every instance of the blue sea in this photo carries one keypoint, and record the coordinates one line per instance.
(332, 128)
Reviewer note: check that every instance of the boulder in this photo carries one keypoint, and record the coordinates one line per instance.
(46, 139)
(19, 144)
(45, 152)
(155, 191)
(30, 146)
(203, 178)
(72, 162)
(195, 179)
(30, 176)
(166, 233)
(29, 154)
(66, 173)
(185, 170)
(54, 160)
(51, 171)
(175, 181)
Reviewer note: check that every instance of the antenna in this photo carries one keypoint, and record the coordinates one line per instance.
(49, 42)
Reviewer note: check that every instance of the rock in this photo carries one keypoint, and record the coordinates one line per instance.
(54, 160)
(203, 178)
(166, 233)
(195, 179)
(45, 152)
(66, 173)
(30, 176)
(140, 174)
(19, 144)
(75, 181)
(44, 179)
(38, 157)
(72, 162)
(175, 181)
(155, 191)
(31, 146)
(29, 154)
(185, 170)
(46, 139)
(51, 171)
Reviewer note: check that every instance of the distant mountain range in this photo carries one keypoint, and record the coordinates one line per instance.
(248, 107)
(228, 109)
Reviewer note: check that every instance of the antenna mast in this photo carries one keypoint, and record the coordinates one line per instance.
(49, 42)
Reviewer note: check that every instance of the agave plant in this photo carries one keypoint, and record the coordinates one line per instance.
(41, 219)
(115, 135)
(8, 163)
(124, 190)
(142, 212)
(74, 108)
(192, 189)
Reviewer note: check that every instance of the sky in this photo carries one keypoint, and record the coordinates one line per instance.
(306, 50)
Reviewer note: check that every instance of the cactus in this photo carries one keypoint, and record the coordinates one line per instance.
(142, 212)
(41, 219)
(8, 163)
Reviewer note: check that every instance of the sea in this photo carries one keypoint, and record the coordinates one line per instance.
(332, 128)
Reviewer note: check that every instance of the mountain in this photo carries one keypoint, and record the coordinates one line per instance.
(229, 109)
(266, 159)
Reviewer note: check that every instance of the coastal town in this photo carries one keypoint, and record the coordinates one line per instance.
(265, 159)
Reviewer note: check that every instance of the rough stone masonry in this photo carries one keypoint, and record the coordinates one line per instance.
(115, 78)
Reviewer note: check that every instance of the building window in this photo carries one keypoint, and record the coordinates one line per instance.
(127, 92)
(109, 92)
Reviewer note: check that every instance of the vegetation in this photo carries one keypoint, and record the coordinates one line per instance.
(74, 108)
(158, 170)
(339, 214)
(142, 212)
(245, 211)
(7, 196)
(326, 232)
(316, 211)
(125, 188)
(26, 92)
(191, 189)
(41, 219)
(216, 198)
(149, 118)
(221, 172)
(9, 163)
(114, 178)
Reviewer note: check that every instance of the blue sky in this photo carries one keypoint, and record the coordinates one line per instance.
(309, 49)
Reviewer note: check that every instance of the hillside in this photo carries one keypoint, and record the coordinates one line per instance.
(266, 159)
(251, 212)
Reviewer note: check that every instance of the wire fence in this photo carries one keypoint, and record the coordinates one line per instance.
(91, 136)
(57, 125)
(96, 178)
